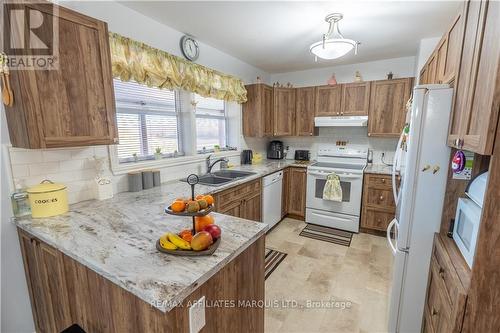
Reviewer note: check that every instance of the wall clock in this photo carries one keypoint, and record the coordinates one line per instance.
(190, 48)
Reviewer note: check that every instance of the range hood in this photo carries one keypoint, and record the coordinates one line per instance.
(341, 121)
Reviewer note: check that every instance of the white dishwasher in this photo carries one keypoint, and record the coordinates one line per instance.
(271, 198)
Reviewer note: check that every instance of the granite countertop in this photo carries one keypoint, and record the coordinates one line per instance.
(116, 238)
(379, 169)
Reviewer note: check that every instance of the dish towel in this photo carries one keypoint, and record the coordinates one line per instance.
(332, 190)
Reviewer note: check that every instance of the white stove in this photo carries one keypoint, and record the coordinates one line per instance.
(348, 162)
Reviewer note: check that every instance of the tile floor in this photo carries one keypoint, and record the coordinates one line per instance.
(357, 277)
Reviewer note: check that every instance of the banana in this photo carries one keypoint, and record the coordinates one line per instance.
(179, 242)
(166, 244)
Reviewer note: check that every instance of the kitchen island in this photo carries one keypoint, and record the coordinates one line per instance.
(97, 266)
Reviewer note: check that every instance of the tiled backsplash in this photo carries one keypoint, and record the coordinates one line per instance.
(74, 167)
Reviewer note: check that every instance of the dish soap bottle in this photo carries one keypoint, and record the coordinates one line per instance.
(20, 203)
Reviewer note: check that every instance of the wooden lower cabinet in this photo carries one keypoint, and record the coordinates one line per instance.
(297, 180)
(378, 202)
(243, 201)
(64, 292)
(285, 192)
(446, 289)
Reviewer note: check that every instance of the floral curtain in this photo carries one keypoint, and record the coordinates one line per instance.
(135, 61)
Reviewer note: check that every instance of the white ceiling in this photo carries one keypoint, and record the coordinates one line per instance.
(275, 36)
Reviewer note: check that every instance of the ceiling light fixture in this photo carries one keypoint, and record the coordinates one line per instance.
(333, 45)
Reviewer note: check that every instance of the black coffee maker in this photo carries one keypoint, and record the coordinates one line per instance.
(275, 150)
(246, 156)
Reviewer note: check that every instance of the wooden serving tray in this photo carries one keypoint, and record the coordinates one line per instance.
(190, 253)
(202, 212)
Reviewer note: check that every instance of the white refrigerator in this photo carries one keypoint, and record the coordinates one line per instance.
(423, 167)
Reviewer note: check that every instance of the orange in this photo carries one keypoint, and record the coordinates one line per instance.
(199, 197)
(201, 222)
(178, 206)
(209, 199)
(187, 235)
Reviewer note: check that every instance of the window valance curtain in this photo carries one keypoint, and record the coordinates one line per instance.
(135, 61)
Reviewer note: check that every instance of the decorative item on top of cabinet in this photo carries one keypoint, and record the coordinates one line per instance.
(355, 99)
(378, 208)
(387, 110)
(72, 105)
(257, 112)
(475, 115)
(304, 111)
(283, 111)
(297, 192)
(328, 100)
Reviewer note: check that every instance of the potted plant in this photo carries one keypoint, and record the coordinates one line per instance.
(158, 153)
(136, 158)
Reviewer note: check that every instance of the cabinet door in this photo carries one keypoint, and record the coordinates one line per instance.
(34, 281)
(267, 110)
(453, 48)
(285, 192)
(328, 100)
(284, 111)
(441, 59)
(232, 210)
(355, 99)
(297, 192)
(431, 74)
(480, 124)
(251, 208)
(375, 218)
(387, 112)
(257, 112)
(72, 105)
(460, 114)
(304, 111)
(423, 75)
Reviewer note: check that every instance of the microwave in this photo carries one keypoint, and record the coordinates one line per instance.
(466, 228)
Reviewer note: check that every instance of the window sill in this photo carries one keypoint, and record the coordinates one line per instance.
(120, 169)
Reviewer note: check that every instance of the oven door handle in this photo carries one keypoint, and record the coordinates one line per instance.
(340, 175)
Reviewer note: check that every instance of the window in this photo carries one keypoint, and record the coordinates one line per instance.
(210, 123)
(148, 122)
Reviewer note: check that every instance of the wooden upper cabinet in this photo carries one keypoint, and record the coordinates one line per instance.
(475, 115)
(284, 111)
(454, 38)
(355, 99)
(258, 111)
(423, 76)
(431, 69)
(304, 111)
(387, 112)
(328, 100)
(72, 105)
(440, 60)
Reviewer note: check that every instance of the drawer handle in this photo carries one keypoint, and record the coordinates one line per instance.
(383, 180)
(381, 198)
(441, 272)
(435, 312)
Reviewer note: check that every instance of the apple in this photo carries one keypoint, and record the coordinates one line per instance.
(201, 241)
(213, 230)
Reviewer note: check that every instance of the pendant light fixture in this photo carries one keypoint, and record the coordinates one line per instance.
(333, 45)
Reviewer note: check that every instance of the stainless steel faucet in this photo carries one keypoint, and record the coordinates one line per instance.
(211, 165)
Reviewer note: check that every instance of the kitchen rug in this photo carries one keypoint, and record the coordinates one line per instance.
(326, 234)
(272, 261)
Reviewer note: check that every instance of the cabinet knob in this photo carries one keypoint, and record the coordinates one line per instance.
(381, 198)
(341, 113)
(434, 311)
(383, 180)
(338, 113)
(310, 133)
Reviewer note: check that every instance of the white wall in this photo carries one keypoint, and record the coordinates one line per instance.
(373, 70)
(425, 49)
(132, 24)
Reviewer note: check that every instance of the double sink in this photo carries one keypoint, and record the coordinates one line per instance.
(222, 177)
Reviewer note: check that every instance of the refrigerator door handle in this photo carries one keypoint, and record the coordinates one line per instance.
(395, 163)
(389, 240)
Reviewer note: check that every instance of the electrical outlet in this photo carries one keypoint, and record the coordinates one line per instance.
(197, 316)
